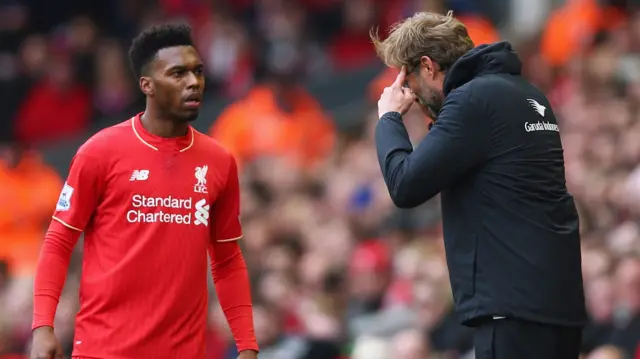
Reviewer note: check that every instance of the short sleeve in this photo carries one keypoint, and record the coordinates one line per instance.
(226, 209)
(81, 192)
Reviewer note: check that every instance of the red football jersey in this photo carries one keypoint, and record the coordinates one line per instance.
(149, 207)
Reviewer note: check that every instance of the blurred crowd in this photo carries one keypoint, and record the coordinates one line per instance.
(337, 271)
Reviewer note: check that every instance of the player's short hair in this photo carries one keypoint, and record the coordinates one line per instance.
(442, 38)
(146, 45)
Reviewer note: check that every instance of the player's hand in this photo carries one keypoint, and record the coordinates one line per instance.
(45, 344)
(248, 354)
(396, 98)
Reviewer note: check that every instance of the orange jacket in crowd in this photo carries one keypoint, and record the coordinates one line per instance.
(28, 195)
(255, 126)
(571, 28)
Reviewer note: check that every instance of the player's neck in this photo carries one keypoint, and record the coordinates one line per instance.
(163, 126)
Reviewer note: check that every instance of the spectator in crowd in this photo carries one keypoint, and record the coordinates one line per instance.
(29, 189)
(626, 333)
(351, 48)
(277, 117)
(371, 348)
(600, 302)
(410, 344)
(113, 91)
(58, 105)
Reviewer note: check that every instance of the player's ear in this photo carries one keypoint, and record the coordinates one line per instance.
(146, 85)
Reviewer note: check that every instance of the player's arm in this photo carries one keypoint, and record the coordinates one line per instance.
(228, 266)
(78, 200)
(458, 142)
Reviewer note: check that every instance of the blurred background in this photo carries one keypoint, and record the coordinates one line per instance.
(337, 272)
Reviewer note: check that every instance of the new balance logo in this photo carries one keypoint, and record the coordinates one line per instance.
(537, 106)
(202, 213)
(139, 175)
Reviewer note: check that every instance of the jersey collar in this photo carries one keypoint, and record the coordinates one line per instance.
(183, 143)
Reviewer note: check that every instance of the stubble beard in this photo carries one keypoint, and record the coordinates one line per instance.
(432, 106)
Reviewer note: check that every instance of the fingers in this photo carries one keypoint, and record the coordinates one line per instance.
(406, 93)
(409, 95)
(400, 79)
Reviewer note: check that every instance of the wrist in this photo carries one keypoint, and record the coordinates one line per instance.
(392, 115)
(248, 353)
(45, 329)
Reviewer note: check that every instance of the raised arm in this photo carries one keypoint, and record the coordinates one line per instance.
(458, 141)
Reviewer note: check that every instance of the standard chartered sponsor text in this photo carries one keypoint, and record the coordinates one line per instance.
(167, 210)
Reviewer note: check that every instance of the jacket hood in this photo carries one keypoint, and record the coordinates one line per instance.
(496, 58)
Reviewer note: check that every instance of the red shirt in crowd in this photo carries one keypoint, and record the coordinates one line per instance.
(50, 113)
(151, 208)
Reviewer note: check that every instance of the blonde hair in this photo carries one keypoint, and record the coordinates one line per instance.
(442, 38)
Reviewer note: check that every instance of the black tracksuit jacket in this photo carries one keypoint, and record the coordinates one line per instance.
(510, 226)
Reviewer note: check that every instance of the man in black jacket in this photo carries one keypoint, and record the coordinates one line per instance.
(494, 153)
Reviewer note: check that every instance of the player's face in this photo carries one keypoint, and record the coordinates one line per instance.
(179, 82)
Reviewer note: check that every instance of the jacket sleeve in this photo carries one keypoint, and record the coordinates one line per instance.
(458, 142)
